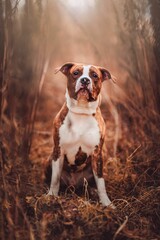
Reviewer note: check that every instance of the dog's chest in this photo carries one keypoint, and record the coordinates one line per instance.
(78, 132)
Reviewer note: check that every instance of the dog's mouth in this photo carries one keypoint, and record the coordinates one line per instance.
(84, 94)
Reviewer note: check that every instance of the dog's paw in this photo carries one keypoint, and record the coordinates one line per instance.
(49, 193)
(52, 193)
(111, 205)
(108, 203)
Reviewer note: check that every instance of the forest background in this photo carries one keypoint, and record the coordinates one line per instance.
(37, 36)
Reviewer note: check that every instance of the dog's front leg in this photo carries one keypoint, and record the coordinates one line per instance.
(57, 166)
(97, 166)
(104, 199)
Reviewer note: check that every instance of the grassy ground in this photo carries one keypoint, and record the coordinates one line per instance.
(132, 180)
(114, 34)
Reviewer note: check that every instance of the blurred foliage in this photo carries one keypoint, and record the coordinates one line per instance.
(35, 37)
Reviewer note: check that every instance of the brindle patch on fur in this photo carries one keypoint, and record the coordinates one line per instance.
(99, 149)
(96, 83)
(67, 167)
(97, 158)
(80, 157)
(101, 123)
(71, 83)
(100, 167)
(81, 161)
(57, 123)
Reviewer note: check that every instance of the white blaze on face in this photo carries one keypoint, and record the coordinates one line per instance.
(84, 75)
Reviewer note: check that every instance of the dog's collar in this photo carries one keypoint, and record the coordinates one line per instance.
(82, 108)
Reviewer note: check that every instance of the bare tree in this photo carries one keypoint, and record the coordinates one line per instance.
(1, 50)
(155, 9)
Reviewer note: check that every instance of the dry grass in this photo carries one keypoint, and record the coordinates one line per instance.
(132, 180)
(31, 97)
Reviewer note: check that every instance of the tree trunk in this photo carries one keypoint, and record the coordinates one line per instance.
(1, 51)
(155, 10)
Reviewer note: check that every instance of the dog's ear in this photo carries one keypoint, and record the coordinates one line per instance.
(64, 68)
(106, 75)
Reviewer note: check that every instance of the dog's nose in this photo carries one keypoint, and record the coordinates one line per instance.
(85, 81)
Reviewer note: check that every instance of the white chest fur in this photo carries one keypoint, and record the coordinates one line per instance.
(78, 130)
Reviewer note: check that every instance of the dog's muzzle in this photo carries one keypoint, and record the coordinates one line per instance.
(84, 89)
(85, 82)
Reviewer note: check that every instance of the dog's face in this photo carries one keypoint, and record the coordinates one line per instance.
(84, 81)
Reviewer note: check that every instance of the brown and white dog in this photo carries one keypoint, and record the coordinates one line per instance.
(79, 130)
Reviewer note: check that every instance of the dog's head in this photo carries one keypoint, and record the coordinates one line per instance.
(84, 81)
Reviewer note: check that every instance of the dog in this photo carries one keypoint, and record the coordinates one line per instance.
(79, 130)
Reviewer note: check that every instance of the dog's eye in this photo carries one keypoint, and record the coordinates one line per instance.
(95, 75)
(75, 73)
